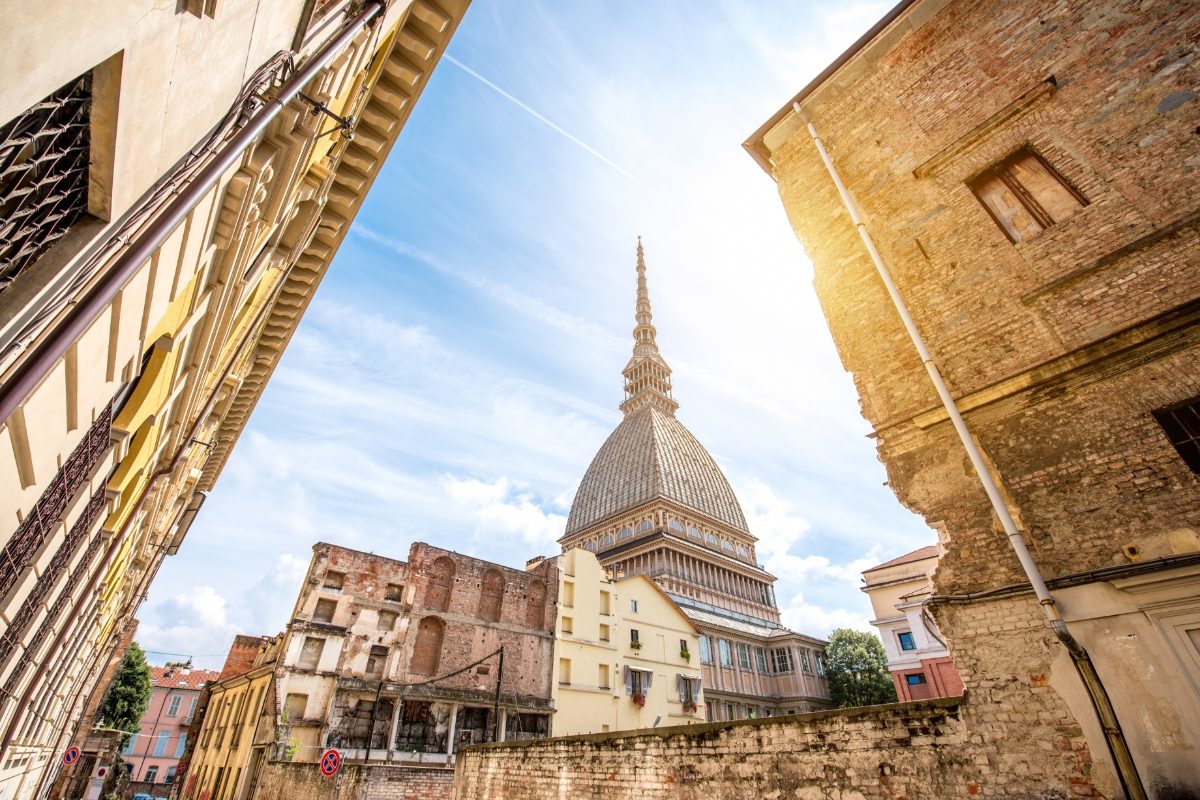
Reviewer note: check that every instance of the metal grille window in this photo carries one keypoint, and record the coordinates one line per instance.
(43, 175)
(1181, 423)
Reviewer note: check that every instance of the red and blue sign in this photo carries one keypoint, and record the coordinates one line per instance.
(331, 762)
(70, 756)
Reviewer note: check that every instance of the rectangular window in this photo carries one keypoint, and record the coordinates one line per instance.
(394, 593)
(821, 665)
(1025, 195)
(130, 744)
(296, 705)
(743, 651)
(173, 705)
(160, 743)
(1181, 424)
(906, 640)
(705, 650)
(781, 660)
(564, 671)
(568, 597)
(635, 639)
(387, 620)
(376, 660)
(310, 652)
(633, 606)
(805, 665)
(689, 689)
(180, 745)
(602, 678)
(637, 681)
(334, 580)
(325, 609)
(605, 603)
(760, 660)
(914, 680)
(151, 774)
(568, 625)
(726, 655)
(191, 708)
(604, 632)
(170, 775)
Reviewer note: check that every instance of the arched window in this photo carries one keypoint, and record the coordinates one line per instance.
(441, 582)
(742, 550)
(590, 546)
(427, 650)
(710, 537)
(491, 596)
(535, 605)
(675, 525)
(645, 525)
(625, 533)
(607, 540)
(695, 533)
(726, 544)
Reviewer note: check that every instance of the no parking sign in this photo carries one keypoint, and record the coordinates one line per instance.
(331, 762)
(70, 756)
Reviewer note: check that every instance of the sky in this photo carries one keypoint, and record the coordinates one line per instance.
(461, 363)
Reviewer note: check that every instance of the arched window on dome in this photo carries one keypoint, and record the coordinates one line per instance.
(727, 545)
(744, 551)
(710, 537)
(645, 525)
(675, 525)
(625, 533)
(590, 545)
(695, 533)
(607, 540)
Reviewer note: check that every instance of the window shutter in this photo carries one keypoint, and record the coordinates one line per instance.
(646, 683)
(694, 687)
(681, 687)
(628, 681)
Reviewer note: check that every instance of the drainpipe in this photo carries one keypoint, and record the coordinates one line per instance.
(1118, 748)
(32, 371)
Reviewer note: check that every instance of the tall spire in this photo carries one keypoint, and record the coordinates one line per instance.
(647, 376)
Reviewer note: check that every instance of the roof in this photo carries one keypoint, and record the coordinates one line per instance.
(181, 677)
(652, 455)
(754, 145)
(930, 551)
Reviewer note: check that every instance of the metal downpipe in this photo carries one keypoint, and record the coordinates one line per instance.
(1118, 748)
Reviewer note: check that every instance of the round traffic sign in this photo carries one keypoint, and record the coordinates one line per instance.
(70, 756)
(331, 761)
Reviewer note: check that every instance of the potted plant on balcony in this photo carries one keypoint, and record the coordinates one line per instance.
(639, 699)
(689, 707)
(685, 654)
(636, 644)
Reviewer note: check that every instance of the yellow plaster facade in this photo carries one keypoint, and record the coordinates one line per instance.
(625, 656)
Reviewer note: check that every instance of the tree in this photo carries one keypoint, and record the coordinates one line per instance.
(128, 695)
(857, 669)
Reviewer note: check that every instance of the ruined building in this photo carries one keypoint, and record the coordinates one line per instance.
(175, 178)
(391, 662)
(653, 502)
(1030, 175)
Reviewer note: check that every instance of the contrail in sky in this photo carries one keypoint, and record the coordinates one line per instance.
(567, 134)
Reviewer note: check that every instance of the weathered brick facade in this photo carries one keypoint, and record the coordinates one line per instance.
(289, 781)
(1058, 346)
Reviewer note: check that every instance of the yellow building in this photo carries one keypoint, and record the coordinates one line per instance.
(626, 657)
(177, 179)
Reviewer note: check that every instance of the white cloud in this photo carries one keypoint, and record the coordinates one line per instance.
(503, 509)
(815, 620)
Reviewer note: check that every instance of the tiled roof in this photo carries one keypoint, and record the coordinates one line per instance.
(930, 551)
(720, 620)
(652, 455)
(181, 677)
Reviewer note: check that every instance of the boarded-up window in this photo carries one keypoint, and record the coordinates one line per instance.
(1025, 195)
(310, 653)
(441, 582)
(324, 610)
(387, 620)
(427, 650)
(394, 593)
(535, 605)
(334, 580)
(491, 596)
(376, 660)
(296, 705)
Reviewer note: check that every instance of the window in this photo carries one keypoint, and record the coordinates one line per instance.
(637, 681)
(624, 534)
(568, 625)
(645, 525)
(1181, 424)
(805, 665)
(334, 580)
(191, 708)
(324, 610)
(1025, 195)
(427, 650)
(760, 660)
(394, 593)
(491, 596)
(743, 551)
(180, 745)
(602, 678)
(781, 660)
(607, 540)
(535, 605)
(705, 650)
(743, 651)
(568, 597)
(129, 745)
(441, 584)
(906, 640)
(564, 671)
(689, 689)
(675, 524)
(633, 606)
(726, 655)
(151, 774)
(605, 632)
(634, 641)
(915, 680)
(590, 546)
(170, 778)
(821, 664)
(710, 537)
(605, 603)
(173, 705)
(387, 620)
(160, 743)
(310, 652)
(45, 185)
(376, 660)
(296, 705)
(726, 545)
(694, 533)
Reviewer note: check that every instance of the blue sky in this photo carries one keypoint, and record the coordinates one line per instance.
(460, 365)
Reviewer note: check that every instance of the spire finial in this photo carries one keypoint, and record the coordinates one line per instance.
(647, 376)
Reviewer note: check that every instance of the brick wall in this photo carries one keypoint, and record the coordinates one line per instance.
(929, 750)
(285, 781)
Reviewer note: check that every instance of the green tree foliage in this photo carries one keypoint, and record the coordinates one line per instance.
(128, 695)
(857, 669)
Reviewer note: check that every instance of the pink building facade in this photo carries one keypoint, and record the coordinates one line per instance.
(154, 753)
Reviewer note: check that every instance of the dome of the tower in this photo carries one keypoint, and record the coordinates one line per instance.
(652, 455)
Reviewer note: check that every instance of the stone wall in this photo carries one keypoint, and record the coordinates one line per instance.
(929, 750)
(287, 781)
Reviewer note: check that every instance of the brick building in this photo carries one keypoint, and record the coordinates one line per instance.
(392, 663)
(1029, 173)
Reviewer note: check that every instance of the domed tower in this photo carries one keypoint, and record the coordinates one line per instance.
(654, 502)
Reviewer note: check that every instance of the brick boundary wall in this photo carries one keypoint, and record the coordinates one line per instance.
(917, 751)
(288, 781)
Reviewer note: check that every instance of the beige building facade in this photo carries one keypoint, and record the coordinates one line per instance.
(625, 654)
(1028, 174)
(654, 502)
(170, 201)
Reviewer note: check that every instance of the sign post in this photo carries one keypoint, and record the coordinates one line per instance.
(70, 755)
(330, 763)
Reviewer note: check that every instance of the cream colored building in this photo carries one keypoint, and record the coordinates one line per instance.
(626, 656)
(176, 179)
